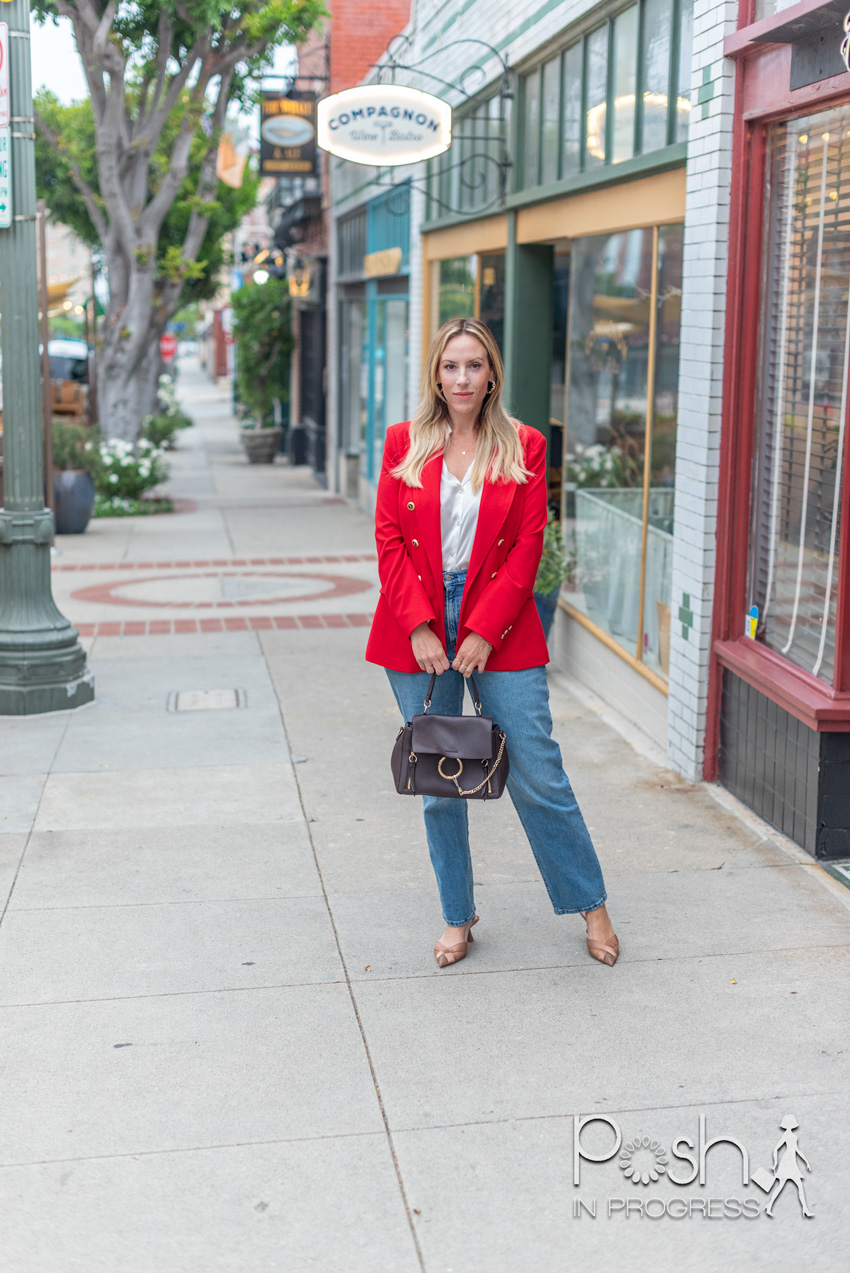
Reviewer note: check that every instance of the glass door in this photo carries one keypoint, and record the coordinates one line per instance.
(389, 371)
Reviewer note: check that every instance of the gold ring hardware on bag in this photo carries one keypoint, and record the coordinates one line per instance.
(450, 777)
(428, 741)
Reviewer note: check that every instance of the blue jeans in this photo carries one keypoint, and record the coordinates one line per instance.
(537, 784)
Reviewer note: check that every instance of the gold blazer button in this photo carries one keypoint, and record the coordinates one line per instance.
(493, 576)
(411, 507)
(501, 541)
(415, 543)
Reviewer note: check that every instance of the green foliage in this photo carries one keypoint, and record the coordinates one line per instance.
(189, 316)
(127, 471)
(262, 330)
(260, 25)
(121, 506)
(162, 430)
(75, 447)
(74, 127)
(556, 562)
(71, 326)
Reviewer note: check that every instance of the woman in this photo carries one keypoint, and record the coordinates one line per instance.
(459, 525)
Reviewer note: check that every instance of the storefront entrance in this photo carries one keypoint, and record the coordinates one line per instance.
(779, 725)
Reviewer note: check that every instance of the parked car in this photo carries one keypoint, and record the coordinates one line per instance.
(69, 377)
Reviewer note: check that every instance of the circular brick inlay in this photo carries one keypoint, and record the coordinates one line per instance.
(196, 590)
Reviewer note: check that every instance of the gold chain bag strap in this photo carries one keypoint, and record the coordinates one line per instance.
(431, 752)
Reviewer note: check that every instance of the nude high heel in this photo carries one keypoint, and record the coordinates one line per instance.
(451, 954)
(605, 953)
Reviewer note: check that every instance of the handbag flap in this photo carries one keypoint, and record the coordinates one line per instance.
(465, 736)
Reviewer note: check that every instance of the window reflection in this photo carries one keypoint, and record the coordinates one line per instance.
(658, 22)
(457, 288)
(625, 71)
(597, 92)
(612, 545)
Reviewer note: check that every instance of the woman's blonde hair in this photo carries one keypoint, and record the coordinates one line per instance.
(499, 455)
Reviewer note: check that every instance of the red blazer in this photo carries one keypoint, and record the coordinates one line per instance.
(498, 601)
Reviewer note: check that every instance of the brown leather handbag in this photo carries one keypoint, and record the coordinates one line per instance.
(461, 756)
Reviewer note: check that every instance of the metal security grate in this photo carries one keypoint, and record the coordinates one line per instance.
(206, 700)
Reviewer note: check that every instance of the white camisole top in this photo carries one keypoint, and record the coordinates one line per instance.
(459, 507)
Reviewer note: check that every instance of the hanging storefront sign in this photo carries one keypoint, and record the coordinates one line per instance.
(287, 134)
(387, 261)
(384, 125)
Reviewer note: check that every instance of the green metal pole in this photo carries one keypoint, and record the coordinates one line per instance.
(42, 664)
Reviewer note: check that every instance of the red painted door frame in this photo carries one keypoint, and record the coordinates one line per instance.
(762, 95)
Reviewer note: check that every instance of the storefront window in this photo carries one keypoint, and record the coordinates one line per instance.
(390, 353)
(571, 161)
(686, 40)
(597, 97)
(581, 107)
(550, 138)
(492, 303)
(625, 71)
(624, 310)
(657, 27)
(531, 132)
(802, 402)
(457, 288)
(354, 375)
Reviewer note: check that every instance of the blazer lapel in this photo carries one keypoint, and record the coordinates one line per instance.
(496, 500)
(427, 499)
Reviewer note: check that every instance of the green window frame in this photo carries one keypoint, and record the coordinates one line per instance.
(545, 158)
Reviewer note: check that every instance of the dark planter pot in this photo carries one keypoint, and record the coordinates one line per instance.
(261, 445)
(547, 604)
(73, 500)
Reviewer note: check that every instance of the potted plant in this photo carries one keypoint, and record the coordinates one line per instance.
(555, 565)
(76, 460)
(262, 331)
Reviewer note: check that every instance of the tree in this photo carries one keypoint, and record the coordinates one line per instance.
(160, 78)
(74, 125)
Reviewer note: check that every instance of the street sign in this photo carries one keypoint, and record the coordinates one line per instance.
(4, 75)
(167, 347)
(5, 178)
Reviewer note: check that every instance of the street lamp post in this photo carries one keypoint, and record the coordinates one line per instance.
(42, 664)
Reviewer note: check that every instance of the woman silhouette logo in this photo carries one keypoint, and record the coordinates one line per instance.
(785, 1168)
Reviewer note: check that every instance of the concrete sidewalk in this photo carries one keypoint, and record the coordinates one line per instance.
(226, 1044)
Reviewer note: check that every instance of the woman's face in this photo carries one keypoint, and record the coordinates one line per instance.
(464, 373)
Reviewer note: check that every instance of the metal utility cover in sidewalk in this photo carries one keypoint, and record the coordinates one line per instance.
(206, 700)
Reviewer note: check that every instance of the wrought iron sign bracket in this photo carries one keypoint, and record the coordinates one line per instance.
(474, 170)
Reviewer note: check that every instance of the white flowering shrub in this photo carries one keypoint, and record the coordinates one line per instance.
(599, 466)
(128, 472)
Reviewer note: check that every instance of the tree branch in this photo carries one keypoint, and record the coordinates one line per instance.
(89, 197)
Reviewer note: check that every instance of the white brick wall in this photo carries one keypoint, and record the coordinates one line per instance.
(700, 382)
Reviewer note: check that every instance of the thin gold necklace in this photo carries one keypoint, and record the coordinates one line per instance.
(452, 438)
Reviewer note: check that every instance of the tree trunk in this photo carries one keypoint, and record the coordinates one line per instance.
(149, 374)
